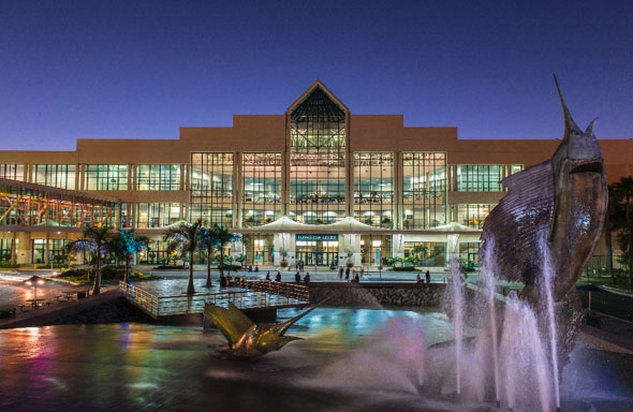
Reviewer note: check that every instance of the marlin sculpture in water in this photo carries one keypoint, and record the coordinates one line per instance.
(563, 199)
(247, 339)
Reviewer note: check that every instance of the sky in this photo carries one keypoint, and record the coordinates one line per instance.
(142, 69)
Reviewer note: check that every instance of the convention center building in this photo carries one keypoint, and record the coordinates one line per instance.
(317, 183)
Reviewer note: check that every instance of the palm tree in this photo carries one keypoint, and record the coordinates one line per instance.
(624, 195)
(222, 238)
(610, 225)
(96, 242)
(185, 238)
(208, 241)
(128, 244)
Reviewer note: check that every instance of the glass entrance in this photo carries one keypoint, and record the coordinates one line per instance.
(317, 253)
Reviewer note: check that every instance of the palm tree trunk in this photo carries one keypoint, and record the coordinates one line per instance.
(209, 252)
(629, 225)
(97, 286)
(609, 252)
(126, 279)
(221, 260)
(190, 289)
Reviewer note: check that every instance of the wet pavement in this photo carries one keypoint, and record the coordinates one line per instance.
(14, 291)
(137, 367)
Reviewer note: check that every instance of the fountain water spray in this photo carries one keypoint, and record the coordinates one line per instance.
(458, 319)
(548, 279)
(487, 272)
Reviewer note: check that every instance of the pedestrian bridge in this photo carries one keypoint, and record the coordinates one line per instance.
(246, 295)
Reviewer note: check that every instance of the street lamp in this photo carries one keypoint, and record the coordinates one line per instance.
(34, 281)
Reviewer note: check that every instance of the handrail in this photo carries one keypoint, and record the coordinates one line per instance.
(250, 298)
(293, 290)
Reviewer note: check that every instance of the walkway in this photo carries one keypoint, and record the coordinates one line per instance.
(166, 298)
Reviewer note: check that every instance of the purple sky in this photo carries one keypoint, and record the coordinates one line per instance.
(130, 68)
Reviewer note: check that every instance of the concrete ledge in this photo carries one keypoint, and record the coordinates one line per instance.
(370, 294)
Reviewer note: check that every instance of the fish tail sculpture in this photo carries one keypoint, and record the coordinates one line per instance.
(247, 339)
(565, 200)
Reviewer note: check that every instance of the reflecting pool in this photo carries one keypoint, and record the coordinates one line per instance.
(350, 360)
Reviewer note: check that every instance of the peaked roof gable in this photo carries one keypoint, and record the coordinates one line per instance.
(317, 91)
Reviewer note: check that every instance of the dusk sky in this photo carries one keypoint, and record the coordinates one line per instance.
(141, 69)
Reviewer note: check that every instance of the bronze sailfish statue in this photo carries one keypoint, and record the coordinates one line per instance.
(563, 199)
(247, 339)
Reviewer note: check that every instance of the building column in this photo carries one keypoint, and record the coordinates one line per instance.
(24, 251)
(349, 244)
(397, 245)
(284, 242)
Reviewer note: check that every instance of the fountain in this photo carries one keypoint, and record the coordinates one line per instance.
(491, 351)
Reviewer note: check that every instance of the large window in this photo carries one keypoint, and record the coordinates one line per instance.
(57, 175)
(155, 215)
(317, 160)
(261, 174)
(424, 189)
(473, 215)
(373, 188)
(158, 177)
(106, 177)
(212, 187)
(483, 178)
(12, 171)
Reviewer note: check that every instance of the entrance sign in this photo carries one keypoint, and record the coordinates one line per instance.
(317, 237)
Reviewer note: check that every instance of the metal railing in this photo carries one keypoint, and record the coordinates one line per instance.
(291, 290)
(160, 306)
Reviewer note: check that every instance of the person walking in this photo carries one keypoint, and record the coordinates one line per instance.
(340, 273)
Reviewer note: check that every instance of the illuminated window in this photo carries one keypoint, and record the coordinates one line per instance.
(156, 215)
(106, 177)
(261, 174)
(373, 188)
(12, 171)
(424, 189)
(57, 175)
(473, 215)
(212, 188)
(158, 177)
(317, 160)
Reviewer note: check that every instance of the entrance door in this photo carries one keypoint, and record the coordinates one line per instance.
(317, 253)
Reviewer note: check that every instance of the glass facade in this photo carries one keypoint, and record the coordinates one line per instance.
(483, 178)
(373, 188)
(424, 186)
(6, 249)
(472, 215)
(158, 177)
(317, 160)
(48, 207)
(156, 215)
(12, 171)
(261, 192)
(212, 187)
(106, 177)
(56, 175)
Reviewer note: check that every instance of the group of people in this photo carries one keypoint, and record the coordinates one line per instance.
(343, 271)
(306, 278)
(427, 278)
(350, 271)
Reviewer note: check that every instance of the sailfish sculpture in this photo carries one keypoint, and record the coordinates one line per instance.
(248, 339)
(563, 199)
